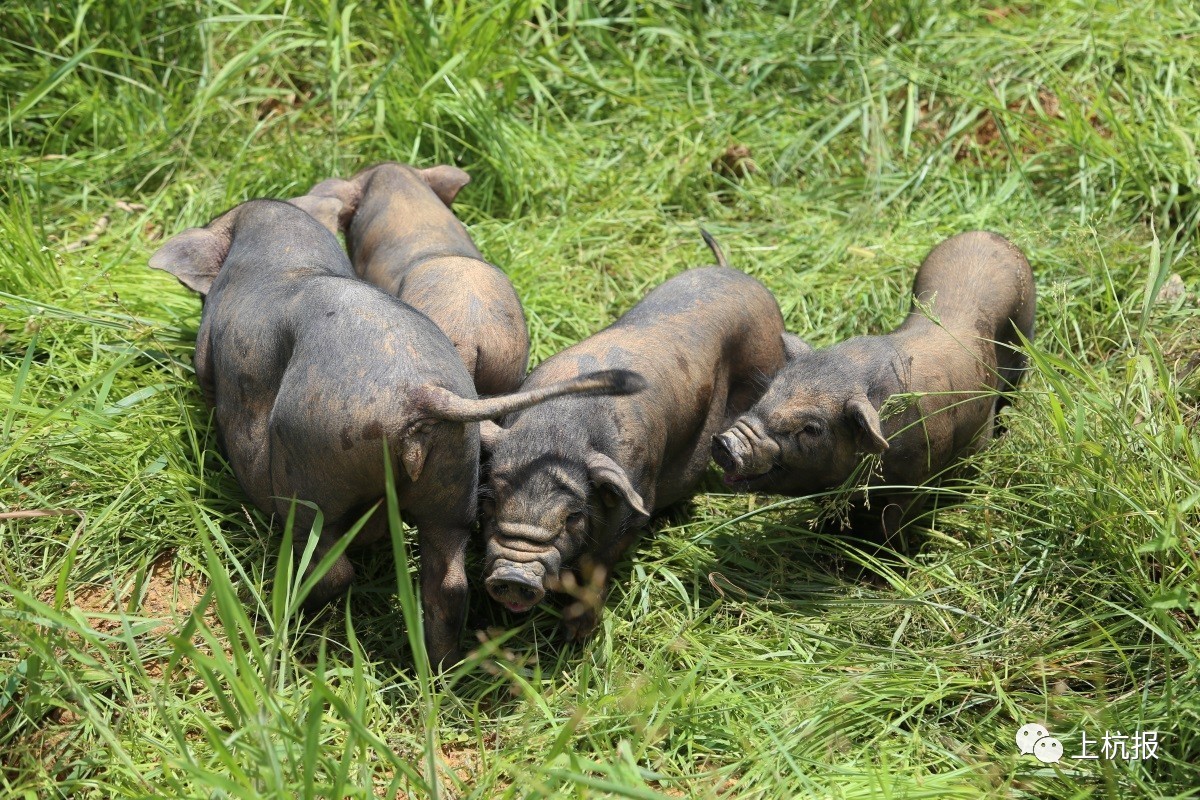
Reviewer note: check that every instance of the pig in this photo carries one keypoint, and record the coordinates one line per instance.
(404, 238)
(572, 482)
(312, 371)
(955, 353)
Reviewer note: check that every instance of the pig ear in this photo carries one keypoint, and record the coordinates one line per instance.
(445, 181)
(608, 475)
(794, 346)
(194, 256)
(324, 209)
(489, 435)
(349, 192)
(870, 437)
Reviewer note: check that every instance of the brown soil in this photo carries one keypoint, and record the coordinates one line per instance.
(161, 597)
(735, 163)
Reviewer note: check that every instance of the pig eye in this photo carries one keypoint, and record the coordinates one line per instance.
(488, 506)
(576, 519)
(812, 428)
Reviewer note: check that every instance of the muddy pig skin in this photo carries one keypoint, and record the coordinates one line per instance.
(955, 351)
(310, 370)
(404, 238)
(572, 482)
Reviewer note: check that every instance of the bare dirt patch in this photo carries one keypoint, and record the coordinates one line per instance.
(166, 593)
(464, 760)
(48, 747)
(160, 596)
(985, 141)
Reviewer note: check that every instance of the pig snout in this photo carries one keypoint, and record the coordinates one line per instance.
(518, 587)
(745, 450)
(724, 452)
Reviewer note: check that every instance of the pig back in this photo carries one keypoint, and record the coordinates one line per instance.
(476, 306)
(407, 241)
(355, 339)
(400, 221)
(976, 282)
(254, 305)
(349, 360)
(707, 342)
(702, 326)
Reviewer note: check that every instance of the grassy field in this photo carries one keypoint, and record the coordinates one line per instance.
(146, 647)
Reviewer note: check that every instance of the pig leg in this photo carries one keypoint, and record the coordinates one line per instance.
(443, 586)
(1011, 364)
(582, 616)
(302, 467)
(333, 583)
(889, 522)
(442, 505)
(337, 580)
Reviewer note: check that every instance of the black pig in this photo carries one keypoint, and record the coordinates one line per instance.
(955, 351)
(573, 481)
(404, 238)
(310, 370)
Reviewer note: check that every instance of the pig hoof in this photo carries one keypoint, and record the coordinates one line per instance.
(579, 622)
(446, 662)
(333, 585)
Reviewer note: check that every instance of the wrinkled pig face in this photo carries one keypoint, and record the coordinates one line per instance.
(797, 442)
(543, 513)
(536, 522)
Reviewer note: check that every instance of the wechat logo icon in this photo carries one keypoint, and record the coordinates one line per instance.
(1035, 740)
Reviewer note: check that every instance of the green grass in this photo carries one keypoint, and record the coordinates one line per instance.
(741, 654)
